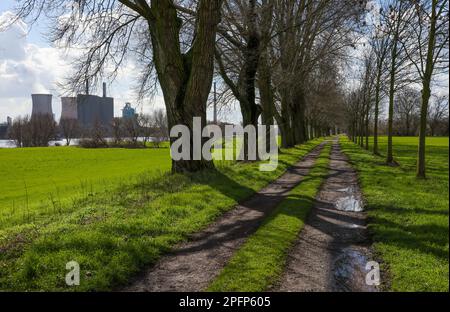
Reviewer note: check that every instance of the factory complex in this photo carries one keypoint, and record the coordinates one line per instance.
(87, 109)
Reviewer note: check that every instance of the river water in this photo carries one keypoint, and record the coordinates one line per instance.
(74, 142)
(10, 144)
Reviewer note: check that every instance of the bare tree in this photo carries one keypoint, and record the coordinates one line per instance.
(438, 115)
(325, 110)
(380, 44)
(145, 123)
(132, 130)
(395, 17)
(36, 131)
(69, 129)
(117, 130)
(161, 131)
(42, 129)
(17, 131)
(306, 33)
(406, 108)
(427, 48)
(95, 136)
(238, 55)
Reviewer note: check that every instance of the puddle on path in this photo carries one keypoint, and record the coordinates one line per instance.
(349, 203)
(349, 271)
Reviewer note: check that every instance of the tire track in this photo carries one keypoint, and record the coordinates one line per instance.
(333, 248)
(193, 265)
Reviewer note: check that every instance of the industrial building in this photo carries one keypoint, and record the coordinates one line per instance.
(4, 127)
(42, 104)
(87, 109)
(93, 109)
(128, 111)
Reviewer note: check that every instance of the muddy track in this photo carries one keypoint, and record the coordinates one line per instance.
(193, 265)
(333, 248)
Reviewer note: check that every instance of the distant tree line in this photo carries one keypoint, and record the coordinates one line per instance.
(35, 131)
(407, 116)
(142, 131)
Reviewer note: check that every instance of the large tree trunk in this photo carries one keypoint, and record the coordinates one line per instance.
(245, 88)
(298, 117)
(366, 130)
(408, 125)
(264, 70)
(285, 123)
(361, 129)
(390, 156)
(377, 112)
(185, 79)
(426, 93)
(250, 110)
(421, 165)
(393, 72)
(266, 94)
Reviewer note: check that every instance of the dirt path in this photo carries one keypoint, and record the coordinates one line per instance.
(332, 250)
(193, 265)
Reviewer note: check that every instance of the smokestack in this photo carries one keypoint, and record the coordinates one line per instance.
(104, 89)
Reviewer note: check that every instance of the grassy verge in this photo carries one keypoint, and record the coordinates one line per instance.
(261, 260)
(114, 234)
(408, 217)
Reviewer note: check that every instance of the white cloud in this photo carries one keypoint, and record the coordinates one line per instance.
(27, 68)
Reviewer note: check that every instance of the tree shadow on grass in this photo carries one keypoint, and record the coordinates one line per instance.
(423, 237)
(238, 228)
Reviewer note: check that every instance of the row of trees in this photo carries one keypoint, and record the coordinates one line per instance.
(39, 130)
(407, 47)
(282, 61)
(36, 131)
(406, 122)
(151, 128)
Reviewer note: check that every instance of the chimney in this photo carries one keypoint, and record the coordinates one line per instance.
(104, 89)
(87, 87)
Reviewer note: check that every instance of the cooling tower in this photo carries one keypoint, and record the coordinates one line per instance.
(69, 108)
(42, 104)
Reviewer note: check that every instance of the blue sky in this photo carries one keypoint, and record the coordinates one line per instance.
(29, 64)
(36, 33)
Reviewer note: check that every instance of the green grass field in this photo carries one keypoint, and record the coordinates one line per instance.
(116, 210)
(113, 233)
(37, 181)
(409, 218)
